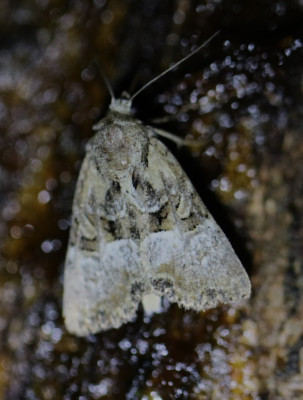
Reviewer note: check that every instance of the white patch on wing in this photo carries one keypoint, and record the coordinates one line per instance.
(198, 269)
(94, 285)
(151, 303)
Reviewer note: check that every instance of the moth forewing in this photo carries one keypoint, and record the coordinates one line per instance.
(139, 228)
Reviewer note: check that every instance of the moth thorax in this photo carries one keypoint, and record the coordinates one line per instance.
(121, 105)
(112, 138)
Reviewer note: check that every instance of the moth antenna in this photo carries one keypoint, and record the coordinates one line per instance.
(109, 88)
(174, 65)
(96, 63)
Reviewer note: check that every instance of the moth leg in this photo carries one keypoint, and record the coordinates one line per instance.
(176, 139)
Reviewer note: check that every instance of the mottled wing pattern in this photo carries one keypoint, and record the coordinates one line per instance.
(189, 259)
(98, 268)
(147, 233)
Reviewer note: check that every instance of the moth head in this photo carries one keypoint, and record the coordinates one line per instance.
(122, 105)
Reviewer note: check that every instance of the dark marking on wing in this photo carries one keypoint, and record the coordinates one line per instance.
(145, 190)
(134, 233)
(133, 229)
(148, 190)
(161, 214)
(97, 166)
(113, 228)
(135, 180)
(112, 198)
(88, 244)
(137, 290)
(163, 286)
(145, 154)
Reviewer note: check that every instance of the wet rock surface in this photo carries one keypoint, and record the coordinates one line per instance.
(242, 97)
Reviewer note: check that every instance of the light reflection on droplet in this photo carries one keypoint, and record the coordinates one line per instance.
(23, 126)
(202, 351)
(205, 104)
(155, 396)
(63, 224)
(240, 194)
(200, 8)
(179, 17)
(88, 74)
(233, 155)
(210, 151)
(219, 362)
(193, 97)
(170, 109)
(65, 177)
(3, 111)
(56, 243)
(161, 349)
(35, 165)
(251, 173)
(250, 333)
(44, 197)
(50, 95)
(107, 16)
(241, 167)
(12, 267)
(161, 98)
(158, 332)
(16, 232)
(260, 139)
(225, 184)
(214, 67)
(51, 245)
(46, 246)
(142, 346)
(225, 121)
(43, 151)
(51, 184)
(101, 389)
(220, 88)
(214, 184)
(125, 344)
(217, 138)
(11, 208)
(21, 146)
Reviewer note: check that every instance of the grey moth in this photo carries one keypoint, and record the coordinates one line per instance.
(140, 228)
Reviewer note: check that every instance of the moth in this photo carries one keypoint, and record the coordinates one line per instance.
(140, 228)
